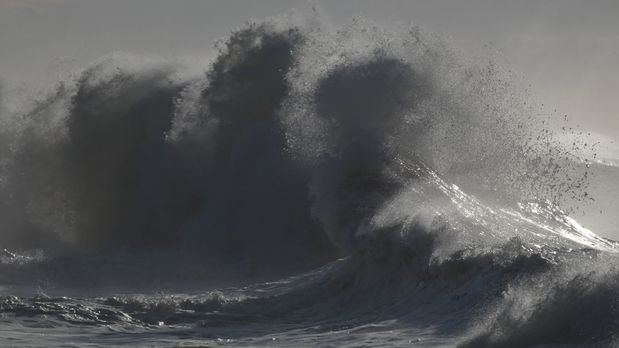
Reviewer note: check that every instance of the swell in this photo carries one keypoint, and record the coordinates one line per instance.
(508, 296)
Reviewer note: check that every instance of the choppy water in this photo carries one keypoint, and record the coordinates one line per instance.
(356, 186)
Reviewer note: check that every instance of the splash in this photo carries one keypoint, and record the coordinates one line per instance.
(299, 145)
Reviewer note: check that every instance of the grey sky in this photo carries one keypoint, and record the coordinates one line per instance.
(567, 50)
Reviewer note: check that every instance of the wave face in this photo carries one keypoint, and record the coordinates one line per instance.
(434, 201)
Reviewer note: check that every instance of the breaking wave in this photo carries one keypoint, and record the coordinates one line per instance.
(435, 201)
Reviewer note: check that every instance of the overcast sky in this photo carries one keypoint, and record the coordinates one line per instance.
(567, 50)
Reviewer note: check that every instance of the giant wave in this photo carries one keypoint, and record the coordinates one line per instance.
(402, 194)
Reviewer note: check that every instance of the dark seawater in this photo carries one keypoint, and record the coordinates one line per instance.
(314, 186)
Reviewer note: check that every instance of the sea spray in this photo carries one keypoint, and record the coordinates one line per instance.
(426, 189)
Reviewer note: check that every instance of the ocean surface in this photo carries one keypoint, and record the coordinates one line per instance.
(312, 185)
